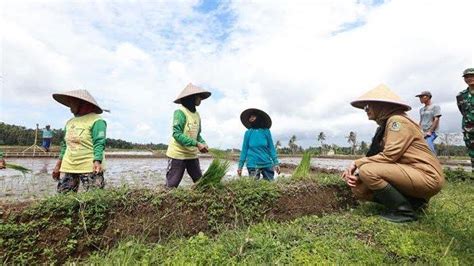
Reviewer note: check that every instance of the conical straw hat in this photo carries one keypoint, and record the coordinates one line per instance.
(67, 97)
(264, 118)
(191, 89)
(381, 93)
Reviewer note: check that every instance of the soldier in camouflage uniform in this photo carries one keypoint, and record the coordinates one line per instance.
(465, 101)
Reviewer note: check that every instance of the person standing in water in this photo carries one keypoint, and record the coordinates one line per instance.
(186, 139)
(82, 152)
(258, 151)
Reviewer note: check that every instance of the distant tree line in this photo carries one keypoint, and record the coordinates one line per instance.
(22, 136)
(361, 148)
(18, 135)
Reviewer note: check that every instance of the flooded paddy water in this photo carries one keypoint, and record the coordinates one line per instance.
(133, 172)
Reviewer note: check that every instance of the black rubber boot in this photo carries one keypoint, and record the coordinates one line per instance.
(400, 209)
(418, 204)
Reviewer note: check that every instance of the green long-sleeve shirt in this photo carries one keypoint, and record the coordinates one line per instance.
(179, 121)
(98, 139)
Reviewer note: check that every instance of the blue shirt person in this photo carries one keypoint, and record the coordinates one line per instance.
(47, 136)
(258, 151)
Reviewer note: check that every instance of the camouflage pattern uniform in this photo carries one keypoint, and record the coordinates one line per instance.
(70, 182)
(465, 101)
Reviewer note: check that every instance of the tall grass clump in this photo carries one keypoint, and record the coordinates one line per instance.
(214, 174)
(304, 168)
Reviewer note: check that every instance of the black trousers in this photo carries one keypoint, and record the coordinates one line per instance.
(176, 168)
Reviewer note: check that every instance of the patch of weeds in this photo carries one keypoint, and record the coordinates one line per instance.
(457, 174)
(252, 198)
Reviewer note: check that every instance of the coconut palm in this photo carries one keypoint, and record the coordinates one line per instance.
(278, 145)
(321, 139)
(352, 139)
(292, 144)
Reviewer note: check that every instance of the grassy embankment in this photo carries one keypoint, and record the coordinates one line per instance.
(444, 235)
(72, 226)
(244, 222)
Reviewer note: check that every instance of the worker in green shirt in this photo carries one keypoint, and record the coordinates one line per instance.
(82, 151)
(186, 141)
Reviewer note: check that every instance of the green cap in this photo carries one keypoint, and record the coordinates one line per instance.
(468, 71)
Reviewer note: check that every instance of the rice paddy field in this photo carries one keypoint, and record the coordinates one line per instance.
(135, 173)
(304, 217)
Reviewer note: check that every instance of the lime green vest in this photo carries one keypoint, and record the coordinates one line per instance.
(79, 155)
(191, 129)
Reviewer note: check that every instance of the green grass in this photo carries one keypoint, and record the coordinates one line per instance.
(444, 235)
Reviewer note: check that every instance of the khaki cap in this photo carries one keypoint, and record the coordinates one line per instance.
(191, 89)
(67, 97)
(381, 93)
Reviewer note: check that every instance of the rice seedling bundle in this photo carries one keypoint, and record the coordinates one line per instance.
(214, 174)
(20, 168)
(304, 168)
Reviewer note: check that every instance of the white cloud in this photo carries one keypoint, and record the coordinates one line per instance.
(301, 61)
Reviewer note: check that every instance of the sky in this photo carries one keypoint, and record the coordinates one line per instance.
(302, 62)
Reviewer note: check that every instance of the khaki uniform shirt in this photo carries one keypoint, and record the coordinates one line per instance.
(404, 144)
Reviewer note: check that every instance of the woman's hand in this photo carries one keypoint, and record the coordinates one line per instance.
(277, 169)
(352, 180)
(97, 167)
(349, 171)
(239, 172)
(56, 172)
(349, 177)
(203, 148)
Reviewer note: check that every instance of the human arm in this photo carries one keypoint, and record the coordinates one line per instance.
(201, 143)
(243, 153)
(99, 129)
(460, 102)
(179, 122)
(435, 122)
(273, 154)
(62, 151)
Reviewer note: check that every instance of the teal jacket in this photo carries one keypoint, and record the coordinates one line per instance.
(258, 150)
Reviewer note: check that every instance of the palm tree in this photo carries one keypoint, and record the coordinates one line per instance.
(292, 144)
(321, 139)
(352, 139)
(277, 145)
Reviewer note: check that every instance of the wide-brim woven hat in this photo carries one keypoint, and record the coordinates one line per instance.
(191, 89)
(382, 94)
(263, 118)
(68, 97)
